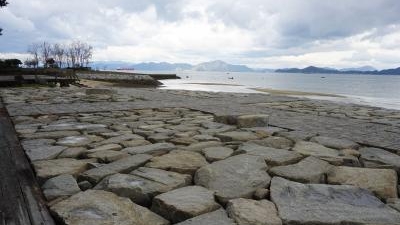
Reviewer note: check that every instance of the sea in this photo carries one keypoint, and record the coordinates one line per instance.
(373, 90)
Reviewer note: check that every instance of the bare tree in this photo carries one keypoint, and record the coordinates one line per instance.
(45, 53)
(59, 54)
(34, 50)
(73, 55)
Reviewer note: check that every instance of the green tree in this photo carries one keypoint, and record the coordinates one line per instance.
(2, 4)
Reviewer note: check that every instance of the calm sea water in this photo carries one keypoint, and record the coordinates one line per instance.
(374, 90)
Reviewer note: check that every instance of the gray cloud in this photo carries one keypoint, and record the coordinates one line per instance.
(251, 29)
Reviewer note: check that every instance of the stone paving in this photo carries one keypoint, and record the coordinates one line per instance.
(148, 156)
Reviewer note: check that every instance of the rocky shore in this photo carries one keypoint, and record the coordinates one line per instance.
(158, 157)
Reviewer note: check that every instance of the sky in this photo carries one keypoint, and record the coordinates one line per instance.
(257, 33)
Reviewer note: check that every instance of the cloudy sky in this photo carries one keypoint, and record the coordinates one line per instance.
(257, 33)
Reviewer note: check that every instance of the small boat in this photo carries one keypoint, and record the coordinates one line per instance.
(230, 78)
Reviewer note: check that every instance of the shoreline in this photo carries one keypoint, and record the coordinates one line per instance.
(334, 99)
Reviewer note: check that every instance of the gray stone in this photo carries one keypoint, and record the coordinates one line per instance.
(74, 141)
(153, 149)
(124, 165)
(118, 139)
(103, 208)
(50, 135)
(159, 137)
(234, 177)
(394, 203)
(237, 136)
(329, 204)
(261, 193)
(308, 170)
(273, 156)
(314, 149)
(251, 212)
(298, 135)
(198, 147)
(335, 142)
(34, 143)
(265, 131)
(217, 153)
(275, 142)
(107, 156)
(46, 169)
(60, 186)
(378, 158)
(74, 152)
(184, 203)
(256, 120)
(134, 143)
(85, 185)
(205, 137)
(382, 182)
(113, 147)
(143, 184)
(217, 217)
(179, 161)
(44, 152)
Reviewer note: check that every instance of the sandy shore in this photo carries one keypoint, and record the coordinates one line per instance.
(294, 93)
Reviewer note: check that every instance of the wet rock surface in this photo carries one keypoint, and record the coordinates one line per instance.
(146, 143)
(308, 170)
(234, 177)
(328, 204)
(101, 207)
(184, 203)
(251, 212)
(382, 182)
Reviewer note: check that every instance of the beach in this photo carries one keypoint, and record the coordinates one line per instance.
(155, 156)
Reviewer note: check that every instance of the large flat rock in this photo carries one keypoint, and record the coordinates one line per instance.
(382, 182)
(273, 156)
(218, 217)
(153, 149)
(234, 177)
(329, 204)
(179, 161)
(336, 143)
(252, 212)
(308, 170)
(44, 152)
(50, 168)
(124, 165)
(184, 203)
(103, 208)
(379, 158)
(60, 186)
(143, 184)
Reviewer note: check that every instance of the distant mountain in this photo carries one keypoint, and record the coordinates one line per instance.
(390, 71)
(362, 69)
(221, 66)
(313, 69)
(217, 66)
(310, 69)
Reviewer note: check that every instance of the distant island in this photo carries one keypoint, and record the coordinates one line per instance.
(314, 69)
(221, 66)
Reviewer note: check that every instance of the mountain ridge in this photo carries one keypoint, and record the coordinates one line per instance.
(314, 69)
(221, 66)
